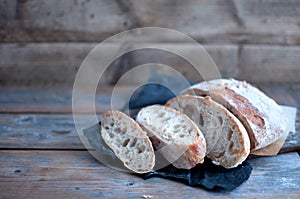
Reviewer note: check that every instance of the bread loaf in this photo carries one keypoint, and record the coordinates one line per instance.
(128, 141)
(176, 136)
(226, 138)
(262, 117)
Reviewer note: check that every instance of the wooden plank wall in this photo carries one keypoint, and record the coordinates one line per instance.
(44, 42)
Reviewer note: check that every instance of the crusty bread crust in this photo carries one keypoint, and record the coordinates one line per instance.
(262, 117)
(227, 140)
(176, 136)
(128, 141)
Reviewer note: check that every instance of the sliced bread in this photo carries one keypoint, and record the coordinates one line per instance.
(128, 141)
(226, 138)
(174, 135)
(262, 117)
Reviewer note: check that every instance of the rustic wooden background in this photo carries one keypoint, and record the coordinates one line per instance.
(44, 42)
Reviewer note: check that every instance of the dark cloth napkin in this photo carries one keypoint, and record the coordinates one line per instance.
(207, 175)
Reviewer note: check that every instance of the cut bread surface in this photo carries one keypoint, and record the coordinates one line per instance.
(262, 117)
(128, 141)
(227, 140)
(176, 137)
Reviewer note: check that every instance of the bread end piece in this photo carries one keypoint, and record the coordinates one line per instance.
(128, 141)
(262, 117)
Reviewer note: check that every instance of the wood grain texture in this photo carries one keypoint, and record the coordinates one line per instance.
(57, 131)
(292, 142)
(62, 20)
(224, 56)
(232, 21)
(46, 63)
(38, 131)
(271, 21)
(40, 118)
(57, 63)
(236, 21)
(284, 94)
(31, 174)
(59, 99)
(53, 99)
(266, 64)
(44, 43)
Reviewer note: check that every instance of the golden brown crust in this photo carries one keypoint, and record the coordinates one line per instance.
(262, 117)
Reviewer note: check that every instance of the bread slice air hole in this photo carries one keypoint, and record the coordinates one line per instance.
(229, 135)
(201, 120)
(111, 135)
(176, 131)
(169, 137)
(220, 154)
(176, 126)
(166, 119)
(141, 148)
(220, 120)
(125, 142)
(161, 114)
(231, 145)
(132, 144)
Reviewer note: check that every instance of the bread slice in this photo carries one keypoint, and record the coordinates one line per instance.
(262, 117)
(226, 138)
(128, 141)
(176, 136)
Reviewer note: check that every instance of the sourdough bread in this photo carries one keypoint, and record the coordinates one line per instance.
(262, 117)
(128, 141)
(174, 135)
(226, 138)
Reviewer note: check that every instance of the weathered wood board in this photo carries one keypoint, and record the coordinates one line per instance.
(234, 21)
(36, 131)
(50, 99)
(59, 99)
(42, 155)
(58, 63)
(76, 174)
(267, 63)
(53, 131)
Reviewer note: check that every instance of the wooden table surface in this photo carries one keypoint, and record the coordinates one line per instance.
(41, 155)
